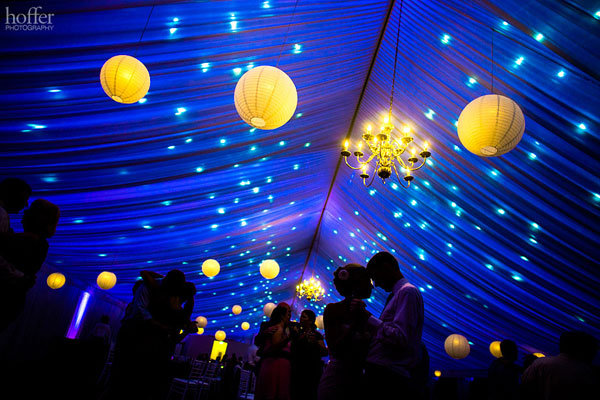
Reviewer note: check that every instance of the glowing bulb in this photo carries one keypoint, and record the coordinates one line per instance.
(346, 143)
(374, 140)
(406, 129)
(369, 128)
(412, 151)
(426, 145)
(364, 168)
(359, 145)
(386, 120)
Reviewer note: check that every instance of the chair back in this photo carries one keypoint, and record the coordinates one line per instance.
(198, 368)
(211, 370)
(245, 384)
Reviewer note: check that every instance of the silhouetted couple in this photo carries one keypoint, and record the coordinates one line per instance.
(160, 309)
(21, 254)
(370, 357)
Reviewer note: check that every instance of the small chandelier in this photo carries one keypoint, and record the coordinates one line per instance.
(387, 149)
(311, 289)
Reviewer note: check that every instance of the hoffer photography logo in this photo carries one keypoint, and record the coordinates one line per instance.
(34, 20)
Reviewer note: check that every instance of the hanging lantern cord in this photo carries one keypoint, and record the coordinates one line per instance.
(396, 59)
(492, 61)
(144, 30)
(286, 34)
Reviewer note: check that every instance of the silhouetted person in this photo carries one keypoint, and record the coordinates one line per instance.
(504, 374)
(273, 382)
(528, 360)
(569, 375)
(347, 336)
(26, 252)
(307, 350)
(395, 349)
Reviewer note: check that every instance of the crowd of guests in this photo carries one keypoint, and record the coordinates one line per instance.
(21, 254)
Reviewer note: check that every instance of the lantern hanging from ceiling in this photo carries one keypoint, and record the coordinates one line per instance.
(491, 125)
(457, 346)
(319, 322)
(539, 355)
(200, 331)
(495, 349)
(106, 280)
(265, 97)
(220, 336)
(268, 309)
(56, 280)
(201, 321)
(211, 268)
(124, 79)
(245, 326)
(236, 309)
(269, 269)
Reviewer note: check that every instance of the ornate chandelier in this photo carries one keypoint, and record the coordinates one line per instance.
(311, 289)
(387, 149)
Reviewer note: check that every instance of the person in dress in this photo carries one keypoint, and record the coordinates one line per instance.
(307, 350)
(347, 336)
(274, 376)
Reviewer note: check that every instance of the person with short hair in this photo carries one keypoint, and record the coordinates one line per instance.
(504, 374)
(395, 350)
(569, 375)
(308, 347)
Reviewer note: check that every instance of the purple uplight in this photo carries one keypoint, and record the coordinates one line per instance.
(73, 331)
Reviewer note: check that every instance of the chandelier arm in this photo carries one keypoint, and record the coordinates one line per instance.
(367, 160)
(422, 163)
(346, 161)
(398, 177)
(373, 177)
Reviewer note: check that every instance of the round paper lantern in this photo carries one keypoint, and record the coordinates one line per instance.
(268, 309)
(539, 355)
(457, 346)
(201, 321)
(265, 97)
(438, 373)
(200, 331)
(245, 326)
(220, 336)
(491, 125)
(319, 322)
(236, 309)
(211, 267)
(56, 280)
(495, 349)
(269, 269)
(124, 79)
(106, 280)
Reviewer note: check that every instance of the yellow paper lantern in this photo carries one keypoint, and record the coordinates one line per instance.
(56, 280)
(200, 331)
(265, 97)
(457, 346)
(211, 268)
(438, 373)
(319, 322)
(245, 326)
(106, 280)
(268, 309)
(220, 336)
(269, 269)
(201, 322)
(124, 79)
(236, 309)
(491, 125)
(495, 349)
(539, 355)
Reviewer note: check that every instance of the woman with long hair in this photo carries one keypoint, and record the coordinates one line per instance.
(273, 381)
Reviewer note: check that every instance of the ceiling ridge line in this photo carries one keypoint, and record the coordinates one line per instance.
(360, 99)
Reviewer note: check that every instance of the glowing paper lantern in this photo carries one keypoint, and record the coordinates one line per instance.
(201, 321)
(319, 322)
(457, 346)
(211, 268)
(106, 280)
(236, 309)
(495, 349)
(539, 355)
(268, 309)
(269, 269)
(200, 331)
(124, 79)
(438, 373)
(245, 326)
(491, 125)
(265, 97)
(220, 336)
(56, 280)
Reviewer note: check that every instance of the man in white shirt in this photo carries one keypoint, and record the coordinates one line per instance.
(396, 344)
